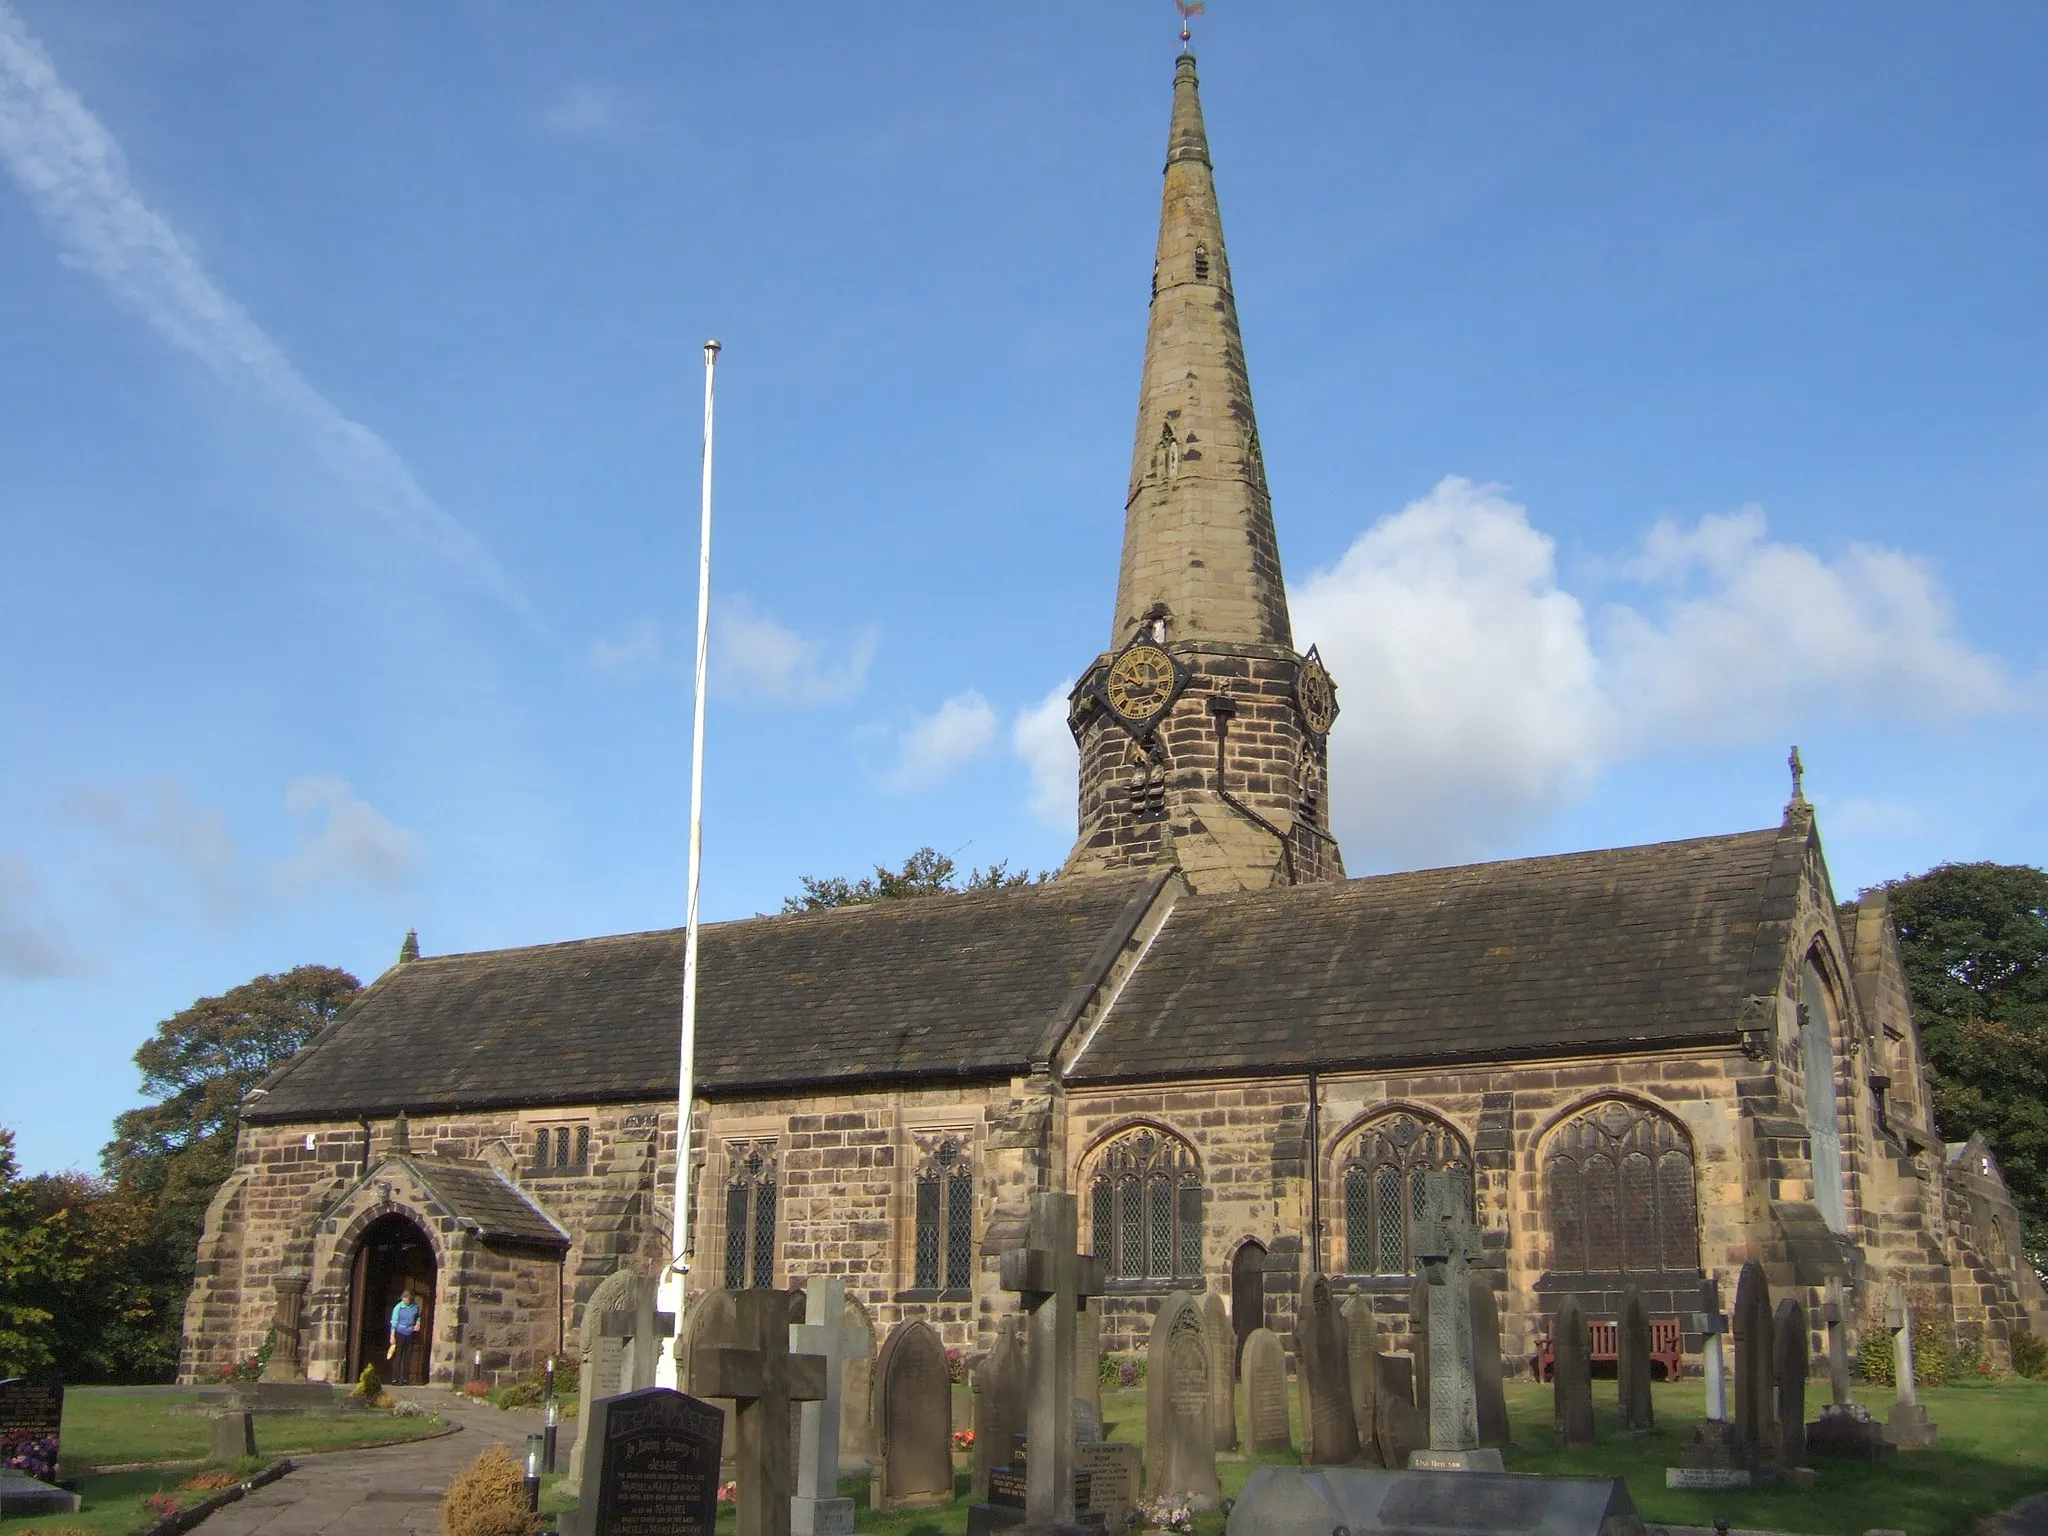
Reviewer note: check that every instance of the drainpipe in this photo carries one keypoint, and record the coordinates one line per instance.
(1315, 1173)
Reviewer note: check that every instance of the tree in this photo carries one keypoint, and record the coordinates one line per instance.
(1974, 938)
(34, 1267)
(926, 872)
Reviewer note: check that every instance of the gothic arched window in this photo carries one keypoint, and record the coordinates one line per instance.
(750, 1216)
(1381, 1168)
(945, 1218)
(1619, 1177)
(1145, 1207)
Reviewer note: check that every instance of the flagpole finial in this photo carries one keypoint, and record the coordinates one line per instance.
(1188, 9)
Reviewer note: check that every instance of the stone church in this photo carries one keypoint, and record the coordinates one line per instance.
(1646, 1065)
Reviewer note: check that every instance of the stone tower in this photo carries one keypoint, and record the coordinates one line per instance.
(1203, 732)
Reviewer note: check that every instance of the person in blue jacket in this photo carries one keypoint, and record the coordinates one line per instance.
(405, 1333)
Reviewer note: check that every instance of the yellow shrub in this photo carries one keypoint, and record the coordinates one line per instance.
(488, 1499)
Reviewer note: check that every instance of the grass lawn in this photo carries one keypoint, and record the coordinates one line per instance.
(111, 1428)
(1993, 1453)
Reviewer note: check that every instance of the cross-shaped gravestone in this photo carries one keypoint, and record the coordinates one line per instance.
(1835, 1313)
(1711, 1323)
(753, 1366)
(1054, 1282)
(1445, 1246)
(817, 1509)
(641, 1330)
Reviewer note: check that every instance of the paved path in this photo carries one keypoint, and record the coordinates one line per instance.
(377, 1492)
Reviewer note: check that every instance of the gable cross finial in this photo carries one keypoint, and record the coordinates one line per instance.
(1187, 9)
(1798, 767)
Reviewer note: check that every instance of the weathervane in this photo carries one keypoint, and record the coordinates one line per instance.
(1187, 9)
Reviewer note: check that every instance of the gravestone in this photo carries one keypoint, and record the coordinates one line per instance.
(1632, 1364)
(856, 1404)
(1572, 1376)
(1487, 1367)
(290, 1293)
(1111, 1470)
(1053, 1281)
(652, 1468)
(1402, 1429)
(1087, 1423)
(1845, 1427)
(1088, 1358)
(1329, 1433)
(709, 1316)
(1315, 1501)
(603, 1352)
(998, 1405)
(1222, 1369)
(32, 1424)
(750, 1364)
(1790, 1360)
(1713, 1458)
(913, 1420)
(1265, 1395)
(1445, 1245)
(22, 1495)
(1180, 1450)
(230, 1436)
(817, 1509)
(1418, 1344)
(1756, 1347)
(1908, 1427)
(1361, 1358)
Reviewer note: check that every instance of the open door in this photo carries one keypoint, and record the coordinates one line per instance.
(394, 1253)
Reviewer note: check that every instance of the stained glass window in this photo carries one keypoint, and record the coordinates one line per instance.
(944, 1241)
(750, 1217)
(1382, 1167)
(1619, 1176)
(1146, 1207)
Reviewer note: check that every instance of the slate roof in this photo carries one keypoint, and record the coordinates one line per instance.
(1651, 946)
(968, 985)
(476, 1193)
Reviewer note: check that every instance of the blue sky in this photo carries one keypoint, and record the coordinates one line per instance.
(1642, 390)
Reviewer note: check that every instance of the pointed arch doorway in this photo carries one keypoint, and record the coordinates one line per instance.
(392, 1254)
(1247, 1291)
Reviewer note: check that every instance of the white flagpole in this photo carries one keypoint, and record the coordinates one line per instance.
(673, 1282)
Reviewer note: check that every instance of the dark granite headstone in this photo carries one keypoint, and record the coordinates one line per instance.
(652, 1467)
(1572, 1376)
(1314, 1501)
(1791, 1362)
(1329, 1433)
(31, 1424)
(1179, 1413)
(1632, 1363)
(1265, 1395)
(1755, 1385)
(1487, 1366)
(998, 1405)
(1222, 1369)
(913, 1420)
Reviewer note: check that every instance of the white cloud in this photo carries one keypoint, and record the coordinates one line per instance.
(349, 839)
(933, 746)
(1477, 697)
(1752, 633)
(1470, 694)
(754, 657)
(163, 817)
(32, 948)
(75, 175)
(1040, 736)
(583, 111)
(630, 655)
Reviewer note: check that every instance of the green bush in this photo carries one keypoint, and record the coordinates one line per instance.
(2030, 1355)
(488, 1499)
(1935, 1360)
(369, 1386)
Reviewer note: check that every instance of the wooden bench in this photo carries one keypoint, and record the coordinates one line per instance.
(1667, 1348)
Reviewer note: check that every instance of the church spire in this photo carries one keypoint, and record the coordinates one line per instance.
(1199, 548)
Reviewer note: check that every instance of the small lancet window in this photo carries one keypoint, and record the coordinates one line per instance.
(1201, 263)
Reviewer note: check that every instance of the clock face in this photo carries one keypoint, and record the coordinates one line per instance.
(1140, 683)
(1315, 694)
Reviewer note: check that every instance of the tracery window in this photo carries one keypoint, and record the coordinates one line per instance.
(560, 1148)
(944, 1257)
(1381, 1170)
(1145, 1207)
(1619, 1176)
(750, 1216)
